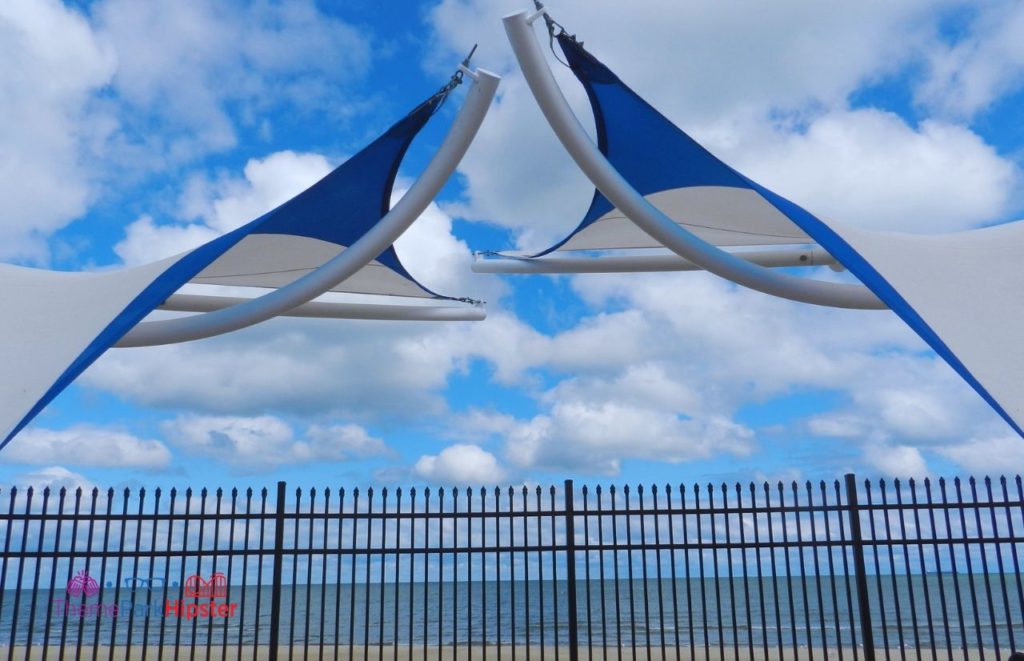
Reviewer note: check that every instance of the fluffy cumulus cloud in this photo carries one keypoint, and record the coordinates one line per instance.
(967, 74)
(187, 67)
(264, 442)
(54, 478)
(105, 96)
(901, 461)
(461, 464)
(668, 377)
(210, 208)
(872, 169)
(992, 455)
(53, 66)
(86, 445)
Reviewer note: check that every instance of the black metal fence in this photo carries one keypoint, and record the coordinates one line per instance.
(926, 570)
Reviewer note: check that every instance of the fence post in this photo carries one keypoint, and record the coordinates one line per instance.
(859, 570)
(275, 596)
(570, 559)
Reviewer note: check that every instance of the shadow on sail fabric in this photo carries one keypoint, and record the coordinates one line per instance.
(959, 292)
(57, 324)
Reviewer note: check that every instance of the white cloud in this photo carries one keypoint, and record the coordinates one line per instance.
(53, 64)
(966, 76)
(56, 478)
(871, 169)
(790, 54)
(1002, 454)
(189, 66)
(223, 205)
(594, 437)
(461, 464)
(86, 445)
(263, 442)
(902, 461)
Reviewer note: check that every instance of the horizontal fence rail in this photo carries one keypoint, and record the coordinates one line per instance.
(894, 570)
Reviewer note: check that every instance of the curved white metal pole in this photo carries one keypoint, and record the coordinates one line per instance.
(564, 264)
(335, 309)
(360, 253)
(620, 193)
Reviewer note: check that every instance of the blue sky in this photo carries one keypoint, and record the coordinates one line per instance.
(134, 130)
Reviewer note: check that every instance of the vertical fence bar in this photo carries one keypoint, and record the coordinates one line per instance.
(938, 566)
(455, 572)
(497, 567)
(846, 574)
(728, 558)
(629, 570)
(366, 578)
(586, 567)
(615, 573)
(294, 554)
(999, 560)
(657, 559)
(259, 572)
(700, 564)
(601, 574)
(540, 575)
(878, 571)
(984, 567)
(719, 625)
(39, 567)
(398, 568)
(860, 572)
(383, 569)
(924, 571)
(554, 569)
(746, 570)
(672, 564)
(512, 567)
(643, 569)
(962, 509)
(426, 564)
(275, 595)
(817, 569)
(823, 488)
(570, 570)
(803, 569)
(686, 573)
(906, 563)
(309, 572)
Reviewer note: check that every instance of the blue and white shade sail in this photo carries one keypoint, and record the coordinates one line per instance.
(57, 324)
(959, 292)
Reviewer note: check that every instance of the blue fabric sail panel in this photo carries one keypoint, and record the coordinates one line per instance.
(57, 324)
(669, 168)
(959, 292)
(313, 227)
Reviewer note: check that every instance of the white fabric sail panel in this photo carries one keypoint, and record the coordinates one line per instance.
(720, 215)
(275, 260)
(48, 320)
(968, 288)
